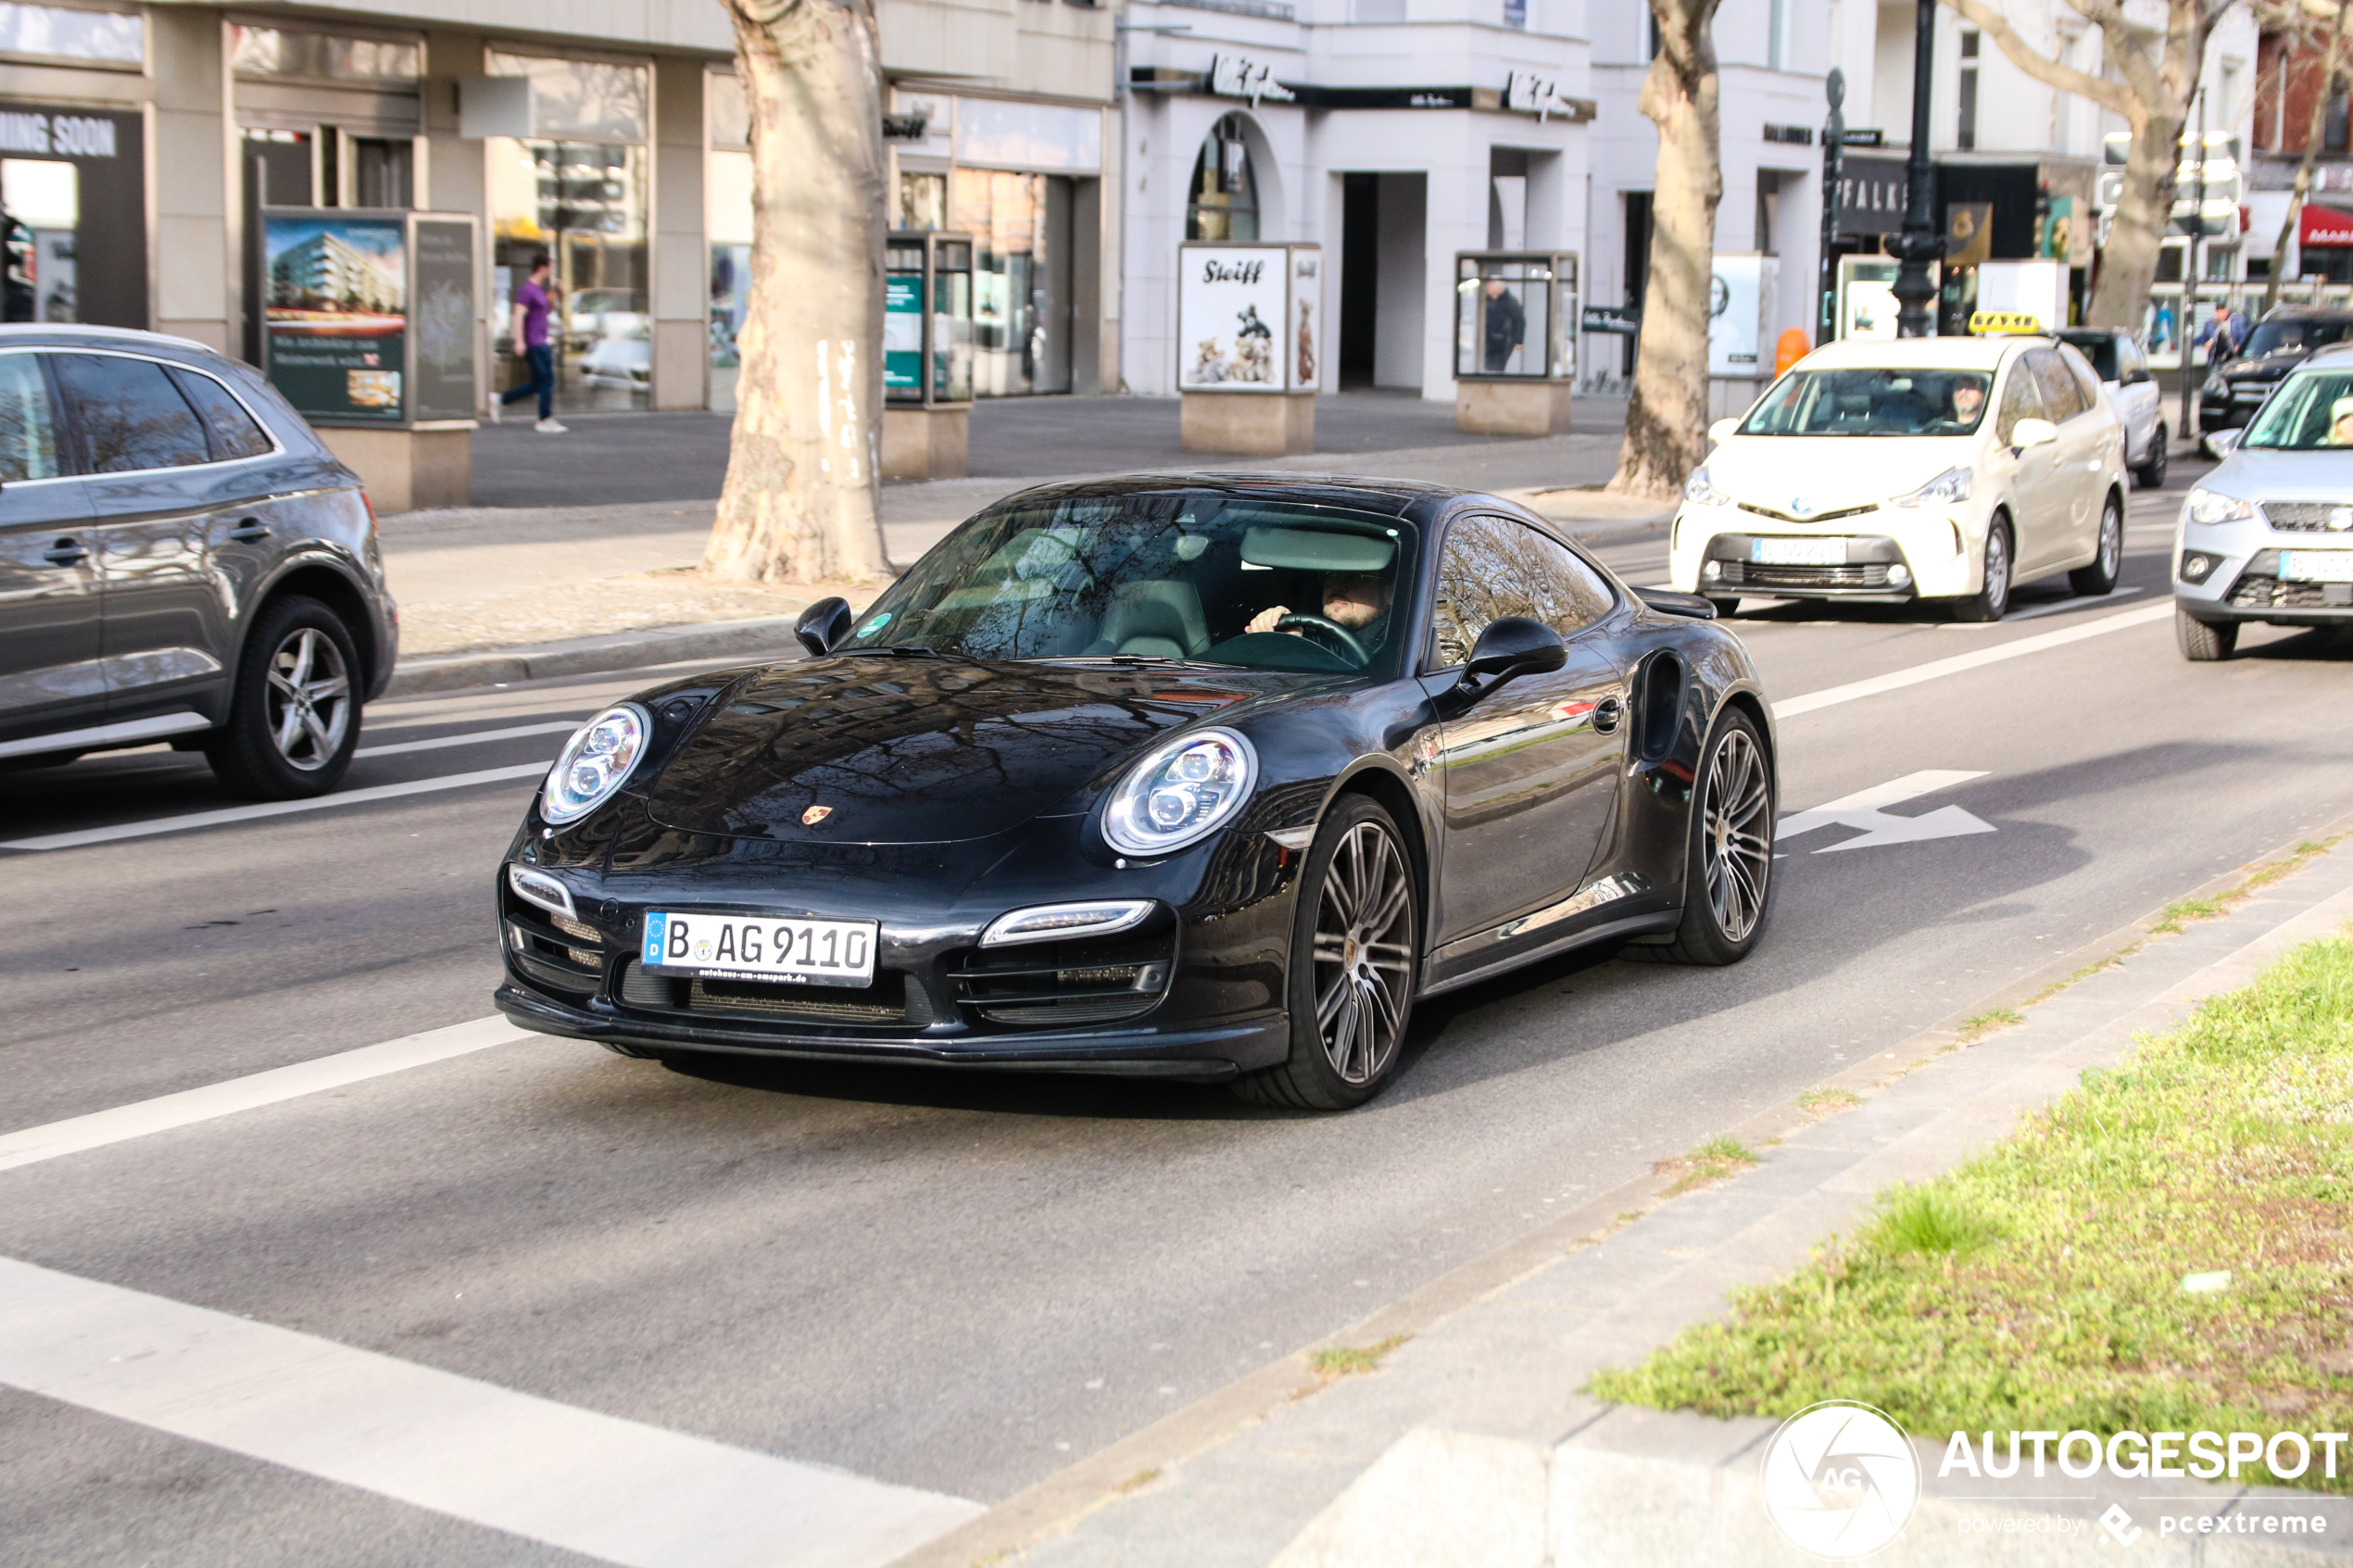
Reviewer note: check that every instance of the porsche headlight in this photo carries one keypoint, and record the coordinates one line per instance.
(1182, 791)
(1699, 492)
(1944, 490)
(2212, 506)
(594, 763)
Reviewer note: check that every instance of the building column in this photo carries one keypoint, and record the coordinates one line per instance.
(195, 145)
(680, 260)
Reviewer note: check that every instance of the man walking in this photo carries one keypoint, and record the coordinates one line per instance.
(1506, 325)
(531, 346)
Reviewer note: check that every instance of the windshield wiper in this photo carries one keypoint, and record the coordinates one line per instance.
(913, 650)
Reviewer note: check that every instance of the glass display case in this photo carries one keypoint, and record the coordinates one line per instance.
(927, 318)
(1516, 315)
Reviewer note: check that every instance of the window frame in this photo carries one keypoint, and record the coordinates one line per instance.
(1429, 664)
(69, 416)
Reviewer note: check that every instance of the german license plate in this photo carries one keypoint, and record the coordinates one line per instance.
(2316, 566)
(806, 952)
(1797, 552)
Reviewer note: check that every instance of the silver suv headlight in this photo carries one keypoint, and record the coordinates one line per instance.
(1181, 792)
(594, 762)
(1944, 490)
(2211, 506)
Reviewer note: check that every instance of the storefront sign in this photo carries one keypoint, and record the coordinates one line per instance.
(74, 231)
(2325, 227)
(1234, 76)
(338, 321)
(1525, 93)
(1871, 194)
(1250, 318)
(1625, 318)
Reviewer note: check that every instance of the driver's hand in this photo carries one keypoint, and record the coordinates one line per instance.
(1265, 619)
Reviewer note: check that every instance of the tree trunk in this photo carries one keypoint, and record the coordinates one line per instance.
(2128, 264)
(1666, 417)
(800, 504)
(2313, 132)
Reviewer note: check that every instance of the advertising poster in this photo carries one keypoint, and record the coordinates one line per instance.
(337, 321)
(904, 336)
(1732, 315)
(1231, 311)
(445, 319)
(1307, 320)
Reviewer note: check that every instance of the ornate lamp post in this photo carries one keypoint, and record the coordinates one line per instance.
(1833, 164)
(1919, 244)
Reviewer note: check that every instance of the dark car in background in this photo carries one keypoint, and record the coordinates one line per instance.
(2281, 341)
(180, 560)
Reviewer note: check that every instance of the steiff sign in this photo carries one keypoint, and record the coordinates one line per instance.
(1250, 318)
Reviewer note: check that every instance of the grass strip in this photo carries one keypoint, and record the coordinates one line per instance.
(2168, 1247)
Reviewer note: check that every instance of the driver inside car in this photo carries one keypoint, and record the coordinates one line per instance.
(1356, 600)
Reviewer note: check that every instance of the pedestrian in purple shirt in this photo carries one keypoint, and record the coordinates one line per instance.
(532, 307)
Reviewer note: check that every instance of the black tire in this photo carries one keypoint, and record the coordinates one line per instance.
(1725, 608)
(2202, 643)
(2099, 577)
(1728, 866)
(291, 729)
(2150, 475)
(1992, 601)
(1355, 961)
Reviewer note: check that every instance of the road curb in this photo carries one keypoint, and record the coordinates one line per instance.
(769, 634)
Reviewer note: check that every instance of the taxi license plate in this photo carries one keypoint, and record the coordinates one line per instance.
(1797, 552)
(2316, 566)
(806, 952)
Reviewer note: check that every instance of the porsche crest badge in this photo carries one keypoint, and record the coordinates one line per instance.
(814, 815)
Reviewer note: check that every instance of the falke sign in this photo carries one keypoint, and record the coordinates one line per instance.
(2323, 226)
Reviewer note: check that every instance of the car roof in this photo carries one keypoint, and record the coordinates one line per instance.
(2306, 313)
(2327, 351)
(67, 333)
(1392, 496)
(1917, 353)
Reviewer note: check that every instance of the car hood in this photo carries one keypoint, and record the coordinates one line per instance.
(1831, 472)
(2271, 367)
(900, 750)
(2266, 475)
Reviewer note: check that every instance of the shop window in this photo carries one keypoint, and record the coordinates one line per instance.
(1222, 203)
(725, 110)
(583, 205)
(382, 171)
(1965, 132)
(277, 51)
(109, 38)
(1020, 225)
(727, 222)
(923, 201)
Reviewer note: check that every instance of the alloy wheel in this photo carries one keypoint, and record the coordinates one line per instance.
(1363, 959)
(2111, 541)
(1997, 571)
(1736, 844)
(309, 699)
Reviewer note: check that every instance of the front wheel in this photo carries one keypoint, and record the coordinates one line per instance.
(2099, 577)
(2150, 475)
(1992, 601)
(1355, 964)
(1727, 875)
(2201, 642)
(294, 716)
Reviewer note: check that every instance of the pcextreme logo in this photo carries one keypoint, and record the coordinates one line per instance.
(1840, 1480)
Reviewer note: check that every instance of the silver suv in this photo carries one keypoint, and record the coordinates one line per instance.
(180, 560)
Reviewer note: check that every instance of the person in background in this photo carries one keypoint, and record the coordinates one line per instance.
(531, 312)
(1506, 325)
(2223, 335)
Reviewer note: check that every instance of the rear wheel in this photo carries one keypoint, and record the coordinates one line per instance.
(1992, 601)
(1355, 964)
(2201, 642)
(2099, 577)
(294, 717)
(1727, 875)
(2150, 475)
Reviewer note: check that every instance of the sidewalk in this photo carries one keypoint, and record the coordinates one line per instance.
(479, 586)
(1472, 1445)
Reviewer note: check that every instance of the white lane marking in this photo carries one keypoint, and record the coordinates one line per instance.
(2056, 606)
(1864, 809)
(32, 1145)
(472, 737)
(271, 808)
(1936, 668)
(619, 1490)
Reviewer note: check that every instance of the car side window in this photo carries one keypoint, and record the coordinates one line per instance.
(1494, 567)
(2020, 400)
(2061, 396)
(28, 424)
(131, 417)
(2087, 379)
(2134, 364)
(226, 424)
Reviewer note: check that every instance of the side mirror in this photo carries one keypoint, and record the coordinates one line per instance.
(822, 626)
(1510, 648)
(2222, 442)
(1719, 430)
(2032, 433)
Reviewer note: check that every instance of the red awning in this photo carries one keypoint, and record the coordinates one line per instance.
(2323, 226)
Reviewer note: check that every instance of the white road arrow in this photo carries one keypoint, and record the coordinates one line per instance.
(1864, 809)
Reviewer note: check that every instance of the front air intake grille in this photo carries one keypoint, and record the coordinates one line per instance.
(1817, 517)
(552, 951)
(1862, 576)
(894, 998)
(2309, 517)
(1067, 982)
(2270, 593)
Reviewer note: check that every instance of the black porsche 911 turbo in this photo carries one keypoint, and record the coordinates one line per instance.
(1207, 776)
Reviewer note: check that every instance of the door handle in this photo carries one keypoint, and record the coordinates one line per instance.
(250, 531)
(1606, 714)
(66, 552)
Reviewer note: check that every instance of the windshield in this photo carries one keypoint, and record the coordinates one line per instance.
(1164, 575)
(2098, 347)
(2294, 334)
(1871, 402)
(2312, 410)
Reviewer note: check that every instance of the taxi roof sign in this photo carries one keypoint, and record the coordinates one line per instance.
(1994, 323)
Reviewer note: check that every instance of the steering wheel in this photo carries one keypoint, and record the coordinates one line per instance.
(1346, 638)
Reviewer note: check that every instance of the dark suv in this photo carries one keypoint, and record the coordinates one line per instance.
(2281, 341)
(180, 560)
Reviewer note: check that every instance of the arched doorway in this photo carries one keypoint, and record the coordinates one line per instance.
(1222, 202)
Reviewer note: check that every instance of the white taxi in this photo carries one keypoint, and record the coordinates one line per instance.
(1946, 469)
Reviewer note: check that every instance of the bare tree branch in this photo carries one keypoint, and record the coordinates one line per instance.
(2041, 66)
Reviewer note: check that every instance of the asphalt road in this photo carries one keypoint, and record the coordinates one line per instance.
(960, 1283)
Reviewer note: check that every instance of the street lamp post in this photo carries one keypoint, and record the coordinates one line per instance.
(1919, 244)
(1834, 170)
(2189, 286)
